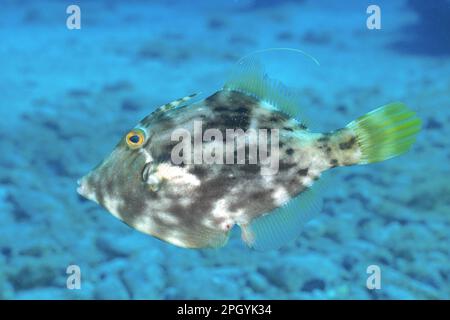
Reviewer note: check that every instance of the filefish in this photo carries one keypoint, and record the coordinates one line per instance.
(197, 204)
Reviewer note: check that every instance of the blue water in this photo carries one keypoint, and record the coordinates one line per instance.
(67, 96)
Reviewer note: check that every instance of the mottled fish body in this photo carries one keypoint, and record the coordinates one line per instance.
(195, 204)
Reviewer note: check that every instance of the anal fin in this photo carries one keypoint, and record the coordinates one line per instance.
(284, 224)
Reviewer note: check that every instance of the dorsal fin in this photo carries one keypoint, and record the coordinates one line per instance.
(175, 103)
(249, 77)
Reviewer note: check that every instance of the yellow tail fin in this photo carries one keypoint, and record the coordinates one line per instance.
(385, 132)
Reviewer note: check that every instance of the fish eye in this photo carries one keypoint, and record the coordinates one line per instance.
(135, 138)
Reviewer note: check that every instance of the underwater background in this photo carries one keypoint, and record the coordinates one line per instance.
(67, 96)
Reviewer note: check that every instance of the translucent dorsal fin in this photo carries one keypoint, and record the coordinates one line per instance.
(249, 77)
(175, 103)
(285, 223)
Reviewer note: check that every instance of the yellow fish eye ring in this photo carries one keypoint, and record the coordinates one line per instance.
(135, 138)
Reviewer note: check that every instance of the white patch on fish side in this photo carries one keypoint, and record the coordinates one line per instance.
(220, 210)
(307, 182)
(184, 202)
(311, 158)
(226, 217)
(268, 180)
(112, 204)
(175, 241)
(145, 224)
(280, 196)
(175, 238)
(167, 218)
(177, 175)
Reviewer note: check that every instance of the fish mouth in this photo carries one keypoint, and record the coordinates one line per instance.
(83, 189)
(80, 188)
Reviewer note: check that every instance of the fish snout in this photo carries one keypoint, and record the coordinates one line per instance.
(84, 189)
(82, 186)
